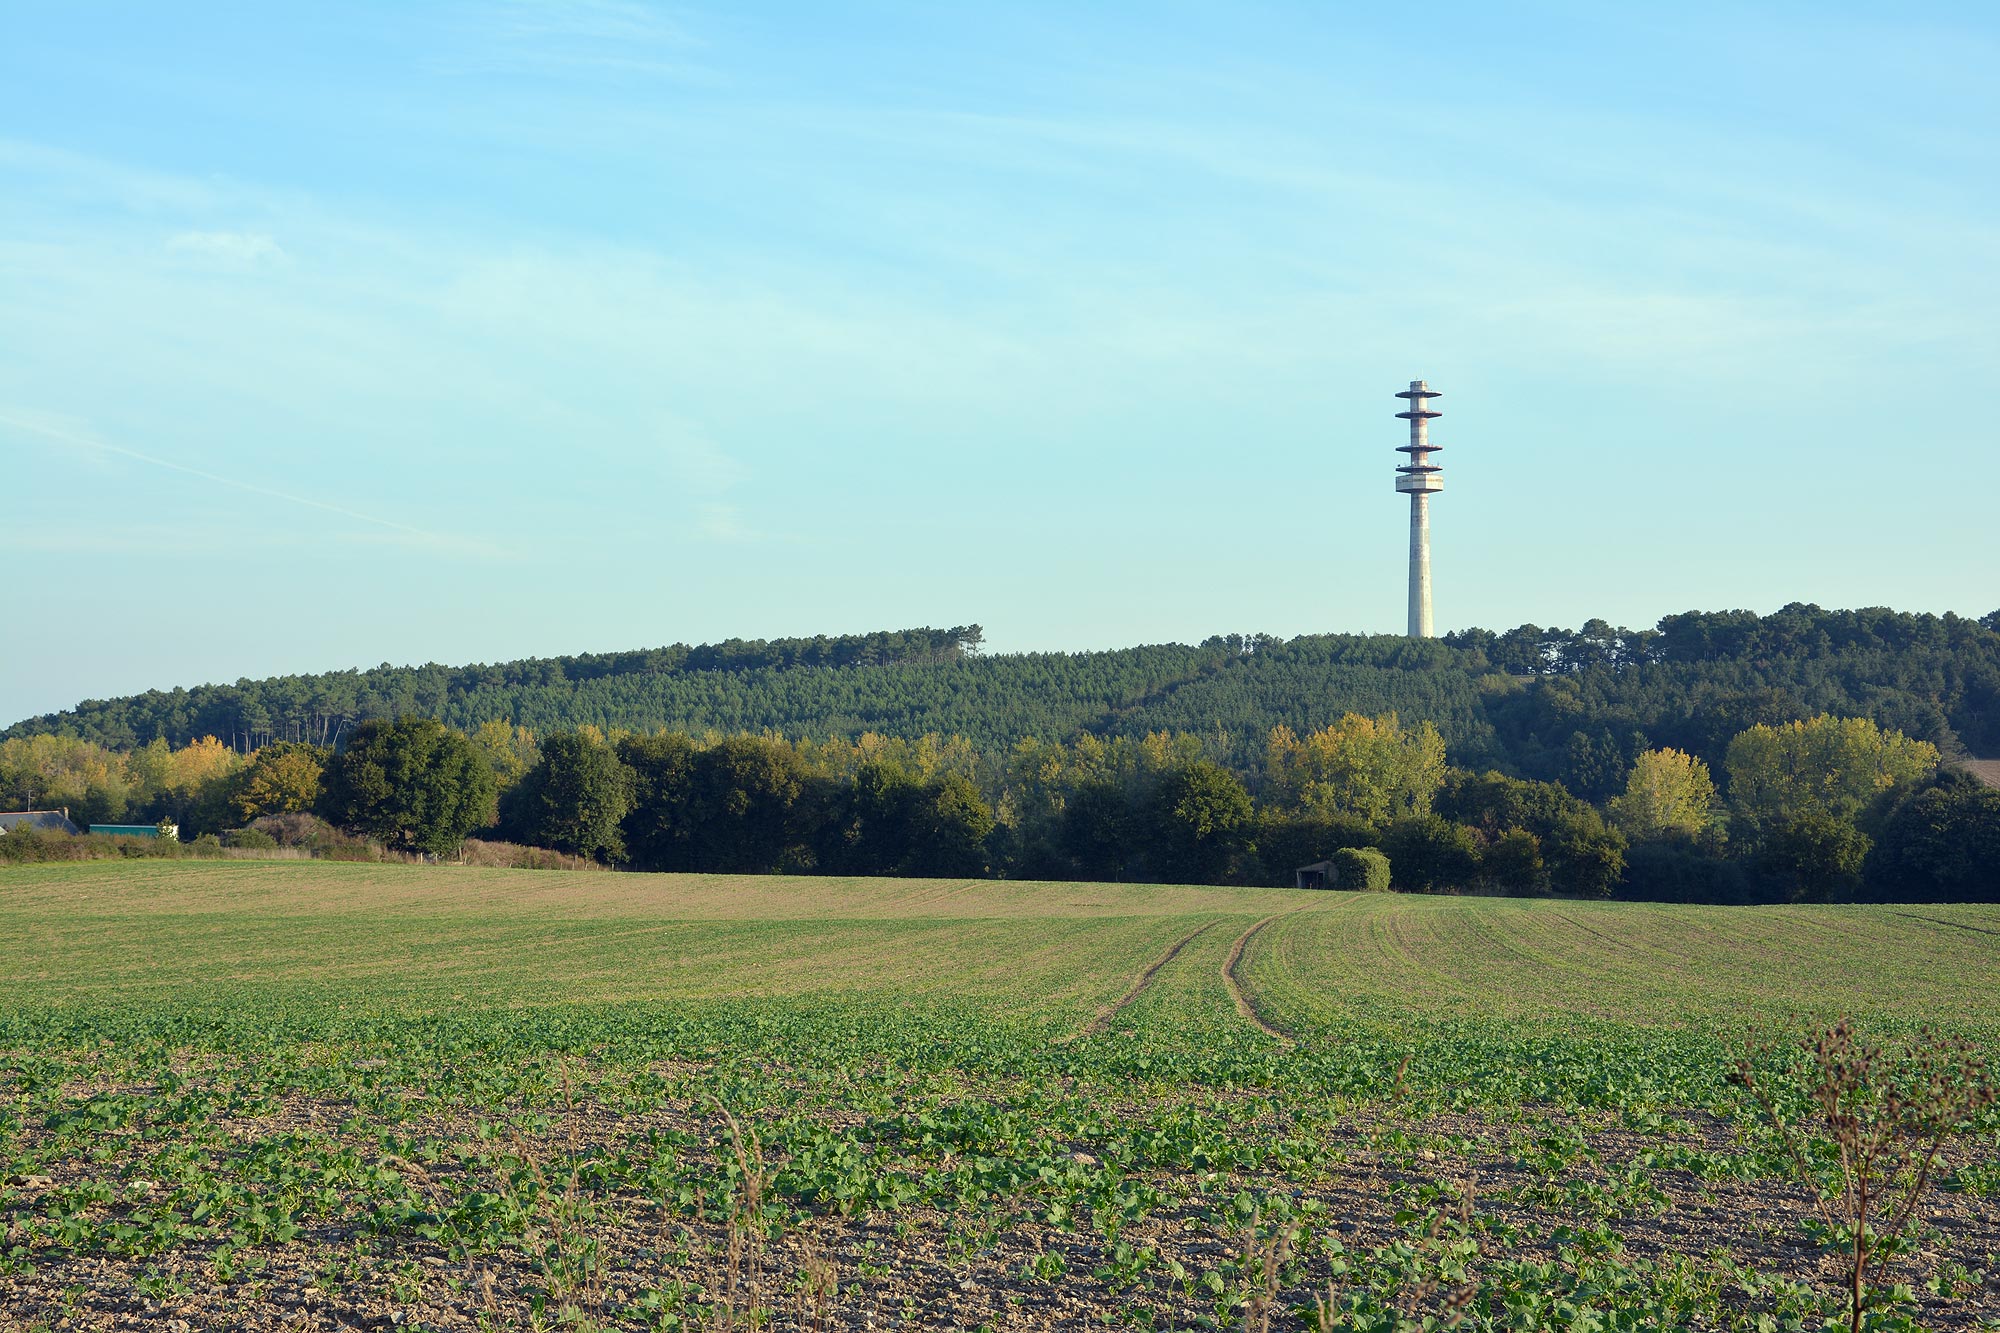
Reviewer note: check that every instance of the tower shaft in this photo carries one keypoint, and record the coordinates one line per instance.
(1420, 479)
(1420, 566)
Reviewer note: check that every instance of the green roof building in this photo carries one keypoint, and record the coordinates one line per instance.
(137, 830)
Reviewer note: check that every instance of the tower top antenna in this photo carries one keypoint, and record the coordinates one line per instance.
(1420, 478)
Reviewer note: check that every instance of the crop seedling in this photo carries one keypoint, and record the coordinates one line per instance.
(553, 1158)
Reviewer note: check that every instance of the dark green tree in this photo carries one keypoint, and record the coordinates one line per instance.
(747, 812)
(1595, 765)
(657, 831)
(1943, 844)
(575, 798)
(413, 783)
(1201, 821)
(1286, 840)
(1514, 864)
(1581, 856)
(1431, 854)
(1101, 835)
(947, 829)
(1494, 803)
(1812, 855)
(1679, 872)
(1585, 856)
(870, 822)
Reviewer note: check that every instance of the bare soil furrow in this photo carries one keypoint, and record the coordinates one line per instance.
(1235, 984)
(1103, 1017)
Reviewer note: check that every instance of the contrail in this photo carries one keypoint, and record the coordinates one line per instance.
(77, 441)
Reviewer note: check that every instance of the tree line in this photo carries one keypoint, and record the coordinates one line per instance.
(1825, 807)
(1575, 707)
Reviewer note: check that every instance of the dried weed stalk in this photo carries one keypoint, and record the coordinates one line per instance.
(818, 1286)
(745, 1256)
(1884, 1117)
(1264, 1261)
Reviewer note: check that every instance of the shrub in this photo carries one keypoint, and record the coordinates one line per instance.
(26, 845)
(206, 845)
(1883, 1115)
(515, 856)
(292, 829)
(313, 835)
(1286, 841)
(1680, 872)
(1431, 854)
(1514, 864)
(142, 849)
(1361, 868)
(249, 839)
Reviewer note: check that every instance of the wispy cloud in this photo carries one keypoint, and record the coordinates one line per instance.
(698, 463)
(241, 248)
(152, 540)
(704, 469)
(140, 189)
(72, 438)
(723, 523)
(582, 36)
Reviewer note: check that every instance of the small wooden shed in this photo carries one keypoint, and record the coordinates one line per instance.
(1318, 875)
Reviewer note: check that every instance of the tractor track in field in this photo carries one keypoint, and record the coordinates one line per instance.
(1106, 1014)
(1611, 940)
(1235, 983)
(1955, 925)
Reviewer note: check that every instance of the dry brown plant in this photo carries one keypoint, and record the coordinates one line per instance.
(818, 1287)
(744, 1253)
(570, 1254)
(1883, 1117)
(1264, 1260)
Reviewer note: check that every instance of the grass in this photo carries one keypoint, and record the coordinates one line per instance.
(1631, 963)
(256, 1094)
(423, 935)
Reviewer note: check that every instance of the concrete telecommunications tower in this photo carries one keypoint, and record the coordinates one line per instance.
(1420, 479)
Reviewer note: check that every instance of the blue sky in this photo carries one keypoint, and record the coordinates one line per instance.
(472, 331)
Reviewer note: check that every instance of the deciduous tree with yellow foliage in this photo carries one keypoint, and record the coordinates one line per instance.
(1835, 766)
(1373, 769)
(283, 777)
(1668, 794)
(49, 772)
(511, 750)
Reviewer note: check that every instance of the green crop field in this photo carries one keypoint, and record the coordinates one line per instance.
(290, 1095)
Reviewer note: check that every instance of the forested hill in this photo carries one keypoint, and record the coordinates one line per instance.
(1550, 703)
